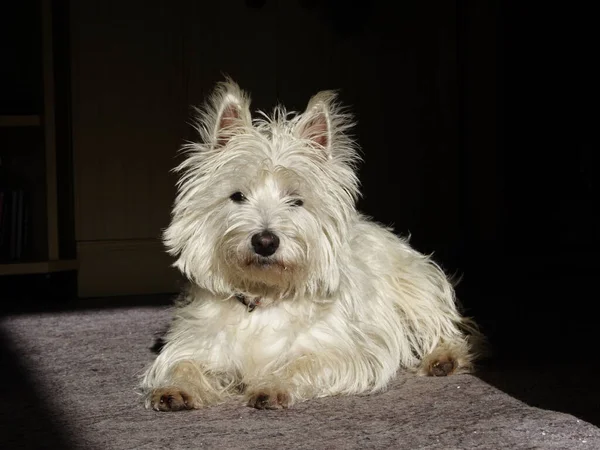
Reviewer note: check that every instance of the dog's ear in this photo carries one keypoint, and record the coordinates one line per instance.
(230, 113)
(317, 123)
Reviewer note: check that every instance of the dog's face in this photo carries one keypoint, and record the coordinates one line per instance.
(265, 205)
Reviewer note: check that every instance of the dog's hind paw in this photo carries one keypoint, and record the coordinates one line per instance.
(442, 367)
(447, 359)
(171, 399)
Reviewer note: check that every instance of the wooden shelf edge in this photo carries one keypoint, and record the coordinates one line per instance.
(20, 121)
(28, 268)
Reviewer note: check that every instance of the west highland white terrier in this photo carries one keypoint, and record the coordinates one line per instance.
(293, 293)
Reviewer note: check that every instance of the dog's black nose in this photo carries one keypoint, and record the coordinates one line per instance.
(265, 243)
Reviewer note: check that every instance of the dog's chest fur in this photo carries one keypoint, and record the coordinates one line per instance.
(254, 342)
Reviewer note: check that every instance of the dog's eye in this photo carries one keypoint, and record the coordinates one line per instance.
(296, 202)
(238, 197)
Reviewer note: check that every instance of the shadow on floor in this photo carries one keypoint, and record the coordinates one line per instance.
(25, 420)
(571, 388)
(542, 331)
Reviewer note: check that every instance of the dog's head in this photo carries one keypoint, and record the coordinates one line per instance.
(265, 205)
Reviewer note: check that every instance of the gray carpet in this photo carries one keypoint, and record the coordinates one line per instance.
(69, 382)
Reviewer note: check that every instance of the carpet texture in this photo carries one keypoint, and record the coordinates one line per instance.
(68, 381)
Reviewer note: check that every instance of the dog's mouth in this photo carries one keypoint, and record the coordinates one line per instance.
(264, 276)
(265, 263)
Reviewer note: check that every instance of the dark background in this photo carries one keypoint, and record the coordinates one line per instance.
(478, 123)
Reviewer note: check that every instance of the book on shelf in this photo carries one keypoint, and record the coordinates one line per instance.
(14, 224)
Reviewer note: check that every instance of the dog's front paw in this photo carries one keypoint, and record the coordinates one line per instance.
(171, 399)
(269, 399)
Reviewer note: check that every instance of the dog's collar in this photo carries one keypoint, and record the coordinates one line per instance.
(250, 304)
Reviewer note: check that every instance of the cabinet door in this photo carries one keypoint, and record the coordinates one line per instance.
(137, 68)
(129, 118)
(394, 64)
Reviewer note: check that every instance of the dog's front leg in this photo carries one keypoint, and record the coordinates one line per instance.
(282, 387)
(186, 385)
(309, 376)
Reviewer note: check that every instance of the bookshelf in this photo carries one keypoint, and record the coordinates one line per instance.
(35, 211)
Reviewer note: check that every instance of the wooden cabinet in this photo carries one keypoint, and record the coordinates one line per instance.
(138, 67)
(129, 118)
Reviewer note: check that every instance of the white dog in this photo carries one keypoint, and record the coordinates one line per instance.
(293, 293)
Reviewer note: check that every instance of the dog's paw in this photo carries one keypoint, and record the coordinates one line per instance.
(447, 359)
(269, 399)
(171, 399)
(442, 367)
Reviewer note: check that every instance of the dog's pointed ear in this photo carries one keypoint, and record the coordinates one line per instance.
(317, 123)
(230, 113)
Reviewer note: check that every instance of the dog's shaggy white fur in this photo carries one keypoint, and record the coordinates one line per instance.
(293, 293)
